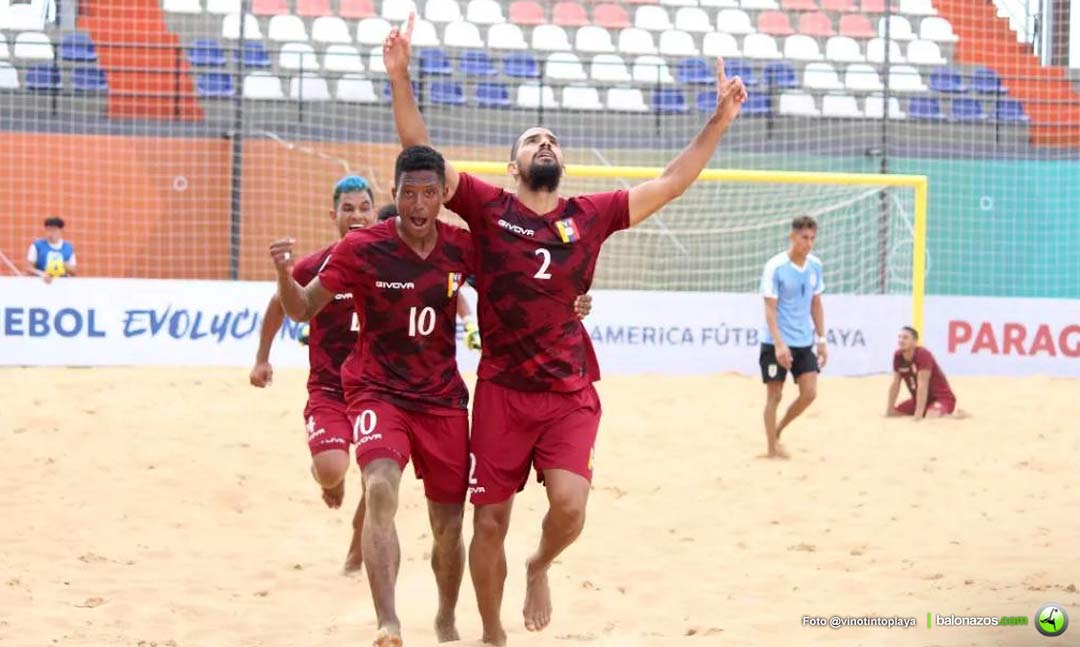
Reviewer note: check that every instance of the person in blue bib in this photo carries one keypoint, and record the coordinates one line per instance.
(52, 256)
(792, 285)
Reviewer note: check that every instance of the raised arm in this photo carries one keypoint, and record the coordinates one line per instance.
(412, 131)
(894, 390)
(300, 302)
(262, 374)
(648, 197)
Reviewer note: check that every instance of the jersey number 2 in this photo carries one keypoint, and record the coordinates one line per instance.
(545, 262)
(422, 323)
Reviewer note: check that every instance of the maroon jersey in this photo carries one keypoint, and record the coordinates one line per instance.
(333, 332)
(406, 350)
(923, 360)
(530, 269)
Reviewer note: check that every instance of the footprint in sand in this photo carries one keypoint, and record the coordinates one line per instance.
(92, 603)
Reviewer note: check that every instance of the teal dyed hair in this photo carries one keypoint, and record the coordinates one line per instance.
(351, 184)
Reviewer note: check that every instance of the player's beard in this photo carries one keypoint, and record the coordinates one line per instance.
(543, 177)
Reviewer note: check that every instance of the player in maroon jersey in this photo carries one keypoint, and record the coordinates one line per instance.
(535, 404)
(916, 367)
(333, 335)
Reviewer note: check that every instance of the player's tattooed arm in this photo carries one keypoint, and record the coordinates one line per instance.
(300, 302)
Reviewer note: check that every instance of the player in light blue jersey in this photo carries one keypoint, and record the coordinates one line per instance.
(794, 320)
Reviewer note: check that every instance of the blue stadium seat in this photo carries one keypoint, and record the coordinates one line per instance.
(946, 79)
(215, 84)
(986, 81)
(706, 101)
(206, 53)
(447, 93)
(77, 46)
(925, 108)
(492, 95)
(521, 65)
(435, 62)
(756, 105)
(669, 101)
(742, 69)
(1011, 110)
(477, 63)
(967, 110)
(89, 79)
(255, 54)
(43, 76)
(694, 71)
(780, 75)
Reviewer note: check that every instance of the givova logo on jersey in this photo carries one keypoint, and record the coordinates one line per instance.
(395, 285)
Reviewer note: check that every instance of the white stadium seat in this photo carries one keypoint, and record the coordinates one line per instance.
(182, 6)
(799, 104)
(652, 18)
(860, 77)
(693, 19)
(759, 4)
(223, 7)
(717, 44)
(917, 8)
(442, 11)
(531, 94)
(372, 31)
(484, 12)
(593, 39)
(5, 53)
(723, 4)
(905, 78)
(424, 34)
(309, 88)
(342, 58)
(609, 68)
(581, 98)
(230, 27)
(550, 38)
(33, 46)
(924, 52)
(679, 3)
(506, 36)
(356, 89)
(899, 28)
(734, 21)
(938, 30)
(875, 108)
(626, 100)
(840, 105)
(843, 49)
(875, 51)
(262, 85)
(801, 47)
(287, 28)
(295, 56)
(677, 43)
(564, 66)
(821, 76)
(636, 41)
(9, 77)
(330, 29)
(761, 46)
(398, 10)
(650, 69)
(376, 64)
(463, 34)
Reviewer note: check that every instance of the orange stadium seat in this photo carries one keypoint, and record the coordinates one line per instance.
(313, 8)
(269, 7)
(570, 14)
(839, 5)
(816, 24)
(799, 5)
(611, 16)
(356, 9)
(526, 12)
(856, 26)
(775, 23)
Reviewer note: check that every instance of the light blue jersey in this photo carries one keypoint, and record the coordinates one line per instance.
(794, 288)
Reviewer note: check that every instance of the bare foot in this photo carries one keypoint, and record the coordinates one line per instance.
(777, 452)
(388, 637)
(334, 496)
(495, 638)
(537, 598)
(446, 629)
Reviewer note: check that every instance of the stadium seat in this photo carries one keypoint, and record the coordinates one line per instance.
(397, 11)
(484, 12)
(705, 101)
(756, 105)
(477, 63)
(89, 79)
(33, 46)
(856, 26)
(743, 70)
(446, 93)
(342, 58)
(1009, 110)
(781, 75)
(652, 69)
(693, 20)
(255, 55)
(550, 38)
(298, 56)
(861, 77)
(593, 39)
(527, 13)
(5, 53)
(223, 7)
(924, 52)
(669, 101)
(577, 97)
(652, 18)
(679, 3)
(636, 41)
(816, 24)
(717, 44)
(320, 8)
(846, 6)
(761, 46)
(206, 53)
(77, 46)
(840, 105)
(309, 87)
(215, 84)
(23, 17)
(372, 31)
(570, 14)
(356, 10)
(376, 64)
(905, 78)
(721, 4)
(899, 28)
(774, 23)
(925, 108)
(506, 36)
(43, 76)
(564, 66)
(986, 81)
(938, 30)
(230, 27)
(799, 5)
(875, 6)
(424, 34)
(462, 34)
(443, 11)
(521, 66)
(435, 62)
(946, 79)
(530, 95)
(875, 51)
(734, 21)
(609, 68)
(356, 89)
(802, 48)
(330, 29)
(760, 4)
(626, 100)
(492, 95)
(821, 76)
(677, 43)
(843, 49)
(269, 7)
(694, 71)
(182, 6)
(798, 104)
(917, 8)
(875, 107)
(610, 16)
(967, 110)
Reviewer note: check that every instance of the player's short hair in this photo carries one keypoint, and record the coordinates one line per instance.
(54, 222)
(517, 143)
(351, 184)
(387, 211)
(803, 222)
(914, 333)
(420, 158)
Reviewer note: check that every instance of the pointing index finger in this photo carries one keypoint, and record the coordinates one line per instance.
(409, 26)
(721, 73)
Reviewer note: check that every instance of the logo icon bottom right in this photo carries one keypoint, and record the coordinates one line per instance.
(1051, 620)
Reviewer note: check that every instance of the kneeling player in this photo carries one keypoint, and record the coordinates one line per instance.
(931, 396)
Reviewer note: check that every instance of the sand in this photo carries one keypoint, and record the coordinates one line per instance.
(173, 507)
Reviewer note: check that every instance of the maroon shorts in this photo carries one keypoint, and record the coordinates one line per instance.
(514, 430)
(437, 444)
(907, 407)
(328, 426)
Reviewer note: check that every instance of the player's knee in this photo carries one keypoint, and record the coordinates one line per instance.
(380, 492)
(568, 510)
(808, 394)
(446, 529)
(490, 525)
(330, 468)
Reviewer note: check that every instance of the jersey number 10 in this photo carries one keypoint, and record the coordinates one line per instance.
(422, 323)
